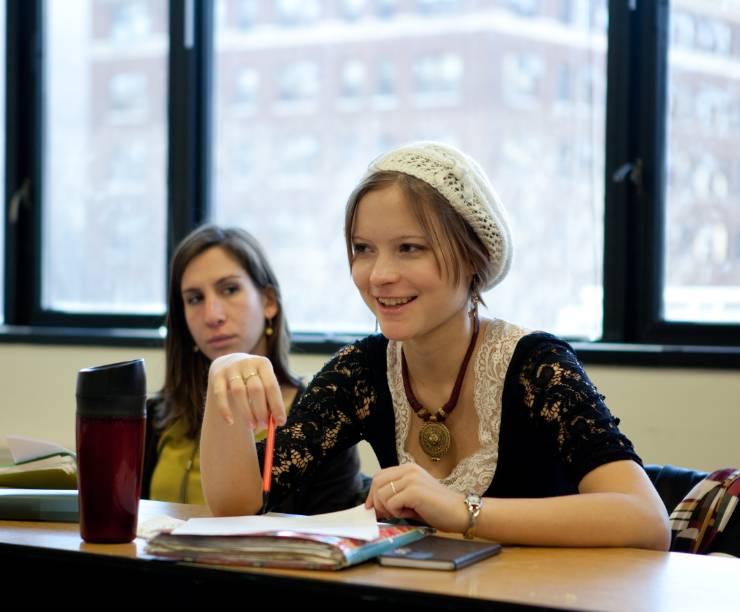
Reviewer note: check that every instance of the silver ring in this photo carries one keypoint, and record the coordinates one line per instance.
(393, 488)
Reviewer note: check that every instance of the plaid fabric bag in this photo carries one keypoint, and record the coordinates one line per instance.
(705, 512)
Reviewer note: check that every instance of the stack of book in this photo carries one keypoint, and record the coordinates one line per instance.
(326, 542)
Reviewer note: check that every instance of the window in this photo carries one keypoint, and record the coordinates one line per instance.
(438, 79)
(425, 80)
(246, 90)
(128, 95)
(104, 164)
(386, 79)
(2, 146)
(438, 7)
(702, 220)
(522, 75)
(527, 8)
(246, 13)
(298, 86)
(127, 20)
(297, 12)
(385, 8)
(352, 79)
(138, 119)
(353, 9)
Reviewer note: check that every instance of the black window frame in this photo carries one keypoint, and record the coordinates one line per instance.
(634, 332)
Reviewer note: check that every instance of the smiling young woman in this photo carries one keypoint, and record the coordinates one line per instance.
(481, 426)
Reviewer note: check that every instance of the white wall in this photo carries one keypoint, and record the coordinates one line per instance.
(684, 417)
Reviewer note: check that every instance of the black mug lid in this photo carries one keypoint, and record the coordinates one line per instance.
(115, 389)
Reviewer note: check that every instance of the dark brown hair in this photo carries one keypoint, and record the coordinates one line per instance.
(186, 368)
(453, 238)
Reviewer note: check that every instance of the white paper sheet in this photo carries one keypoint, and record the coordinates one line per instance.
(26, 449)
(153, 526)
(358, 522)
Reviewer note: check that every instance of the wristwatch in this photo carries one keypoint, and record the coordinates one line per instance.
(474, 503)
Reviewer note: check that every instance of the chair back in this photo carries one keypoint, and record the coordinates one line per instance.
(673, 483)
(702, 508)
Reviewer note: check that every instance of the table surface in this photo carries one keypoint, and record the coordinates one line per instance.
(568, 578)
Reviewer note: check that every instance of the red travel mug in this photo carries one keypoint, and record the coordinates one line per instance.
(111, 420)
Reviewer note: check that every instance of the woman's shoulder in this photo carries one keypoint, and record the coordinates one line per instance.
(535, 341)
(371, 342)
(359, 361)
(541, 359)
(370, 348)
(525, 348)
(519, 341)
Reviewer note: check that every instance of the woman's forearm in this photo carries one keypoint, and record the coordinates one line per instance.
(229, 465)
(589, 519)
(617, 506)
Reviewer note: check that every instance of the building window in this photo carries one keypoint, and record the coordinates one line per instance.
(298, 83)
(526, 8)
(128, 96)
(298, 12)
(130, 20)
(438, 7)
(352, 79)
(352, 10)
(438, 79)
(386, 79)
(246, 90)
(522, 76)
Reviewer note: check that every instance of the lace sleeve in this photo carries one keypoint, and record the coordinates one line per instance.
(324, 421)
(561, 399)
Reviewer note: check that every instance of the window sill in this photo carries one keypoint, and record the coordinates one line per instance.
(590, 353)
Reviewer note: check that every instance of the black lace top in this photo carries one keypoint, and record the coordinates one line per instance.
(555, 427)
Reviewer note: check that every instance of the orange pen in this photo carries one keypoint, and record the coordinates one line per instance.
(267, 464)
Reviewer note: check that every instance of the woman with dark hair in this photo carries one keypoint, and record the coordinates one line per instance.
(224, 298)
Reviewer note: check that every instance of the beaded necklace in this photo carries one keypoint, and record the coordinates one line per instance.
(434, 437)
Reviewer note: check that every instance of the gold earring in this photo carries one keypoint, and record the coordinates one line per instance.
(474, 298)
(268, 327)
(474, 301)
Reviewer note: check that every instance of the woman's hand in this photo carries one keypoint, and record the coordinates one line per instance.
(245, 385)
(409, 491)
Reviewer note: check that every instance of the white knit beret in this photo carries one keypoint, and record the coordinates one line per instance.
(462, 182)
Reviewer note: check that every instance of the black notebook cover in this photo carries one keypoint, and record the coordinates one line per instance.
(434, 552)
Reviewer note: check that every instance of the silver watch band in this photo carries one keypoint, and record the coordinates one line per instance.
(474, 503)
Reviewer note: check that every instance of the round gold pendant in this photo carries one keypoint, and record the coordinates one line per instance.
(434, 439)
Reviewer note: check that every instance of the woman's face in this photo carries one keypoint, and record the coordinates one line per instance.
(396, 270)
(224, 311)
